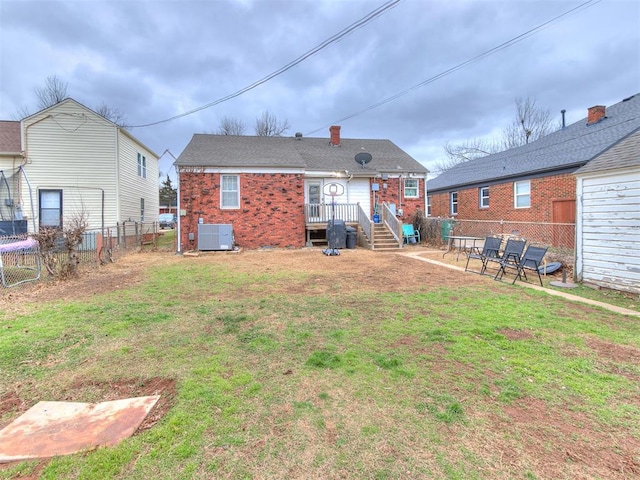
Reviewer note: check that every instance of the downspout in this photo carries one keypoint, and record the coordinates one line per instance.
(178, 229)
(426, 209)
(117, 145)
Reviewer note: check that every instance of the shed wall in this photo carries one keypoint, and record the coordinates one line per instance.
(608, 230)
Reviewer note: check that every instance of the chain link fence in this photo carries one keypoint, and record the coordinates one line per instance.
(559, 237)
(21, 258)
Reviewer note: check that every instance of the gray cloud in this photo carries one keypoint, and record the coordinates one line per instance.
(155, 60)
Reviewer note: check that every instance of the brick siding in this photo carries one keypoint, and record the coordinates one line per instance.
(501, 201)
(391, 194)
(271, 209)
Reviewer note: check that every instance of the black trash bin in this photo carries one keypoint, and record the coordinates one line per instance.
(337, 234)
(352, 236)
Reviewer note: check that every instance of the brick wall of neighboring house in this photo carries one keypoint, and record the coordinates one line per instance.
(501, 201)
(271, 209)
(392, 194)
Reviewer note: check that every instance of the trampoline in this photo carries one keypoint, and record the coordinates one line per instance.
(19, 262)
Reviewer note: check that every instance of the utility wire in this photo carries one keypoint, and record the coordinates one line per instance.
(335, 38)
(451, 70)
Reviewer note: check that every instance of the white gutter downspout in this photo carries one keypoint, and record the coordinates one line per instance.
(117, 145)
(426, 199)
(178, 229)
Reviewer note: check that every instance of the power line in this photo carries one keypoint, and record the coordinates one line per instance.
(338, 36)
(451, 70)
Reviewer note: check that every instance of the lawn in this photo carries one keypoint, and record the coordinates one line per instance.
(292, 364)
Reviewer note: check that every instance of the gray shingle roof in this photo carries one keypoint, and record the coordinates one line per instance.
(308, 154)
(624, 154)
(568, 148)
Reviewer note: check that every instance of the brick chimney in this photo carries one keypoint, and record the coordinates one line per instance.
(596, 114)
(335, 135)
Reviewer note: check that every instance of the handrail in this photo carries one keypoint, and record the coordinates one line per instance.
(391, 221)
(365, 223)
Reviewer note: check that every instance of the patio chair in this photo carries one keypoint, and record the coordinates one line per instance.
(410, 234)
(490, 249)
(511, 254)
(531, 260)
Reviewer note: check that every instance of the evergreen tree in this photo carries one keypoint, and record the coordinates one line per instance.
(168, 194)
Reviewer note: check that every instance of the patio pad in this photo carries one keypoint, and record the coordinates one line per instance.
(60, 428)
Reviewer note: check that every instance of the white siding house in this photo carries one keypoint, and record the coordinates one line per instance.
(608, 218)
(78, 161)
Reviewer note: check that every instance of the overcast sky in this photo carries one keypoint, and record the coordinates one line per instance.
(153, 60)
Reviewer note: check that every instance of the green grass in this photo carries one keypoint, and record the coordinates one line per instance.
(362, 384)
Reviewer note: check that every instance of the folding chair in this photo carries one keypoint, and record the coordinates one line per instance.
(511, 254)
(531, 260)
(409, 233)
(490, 249)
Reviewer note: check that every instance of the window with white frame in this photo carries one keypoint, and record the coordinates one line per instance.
(522, 194)
(411, 188)
(453, 203)
(142, 166)
(230, 191)
(50, 208)
(428, 205)
(142, 209)
(483, 197)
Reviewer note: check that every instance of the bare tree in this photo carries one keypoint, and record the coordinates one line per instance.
(112, 114)
(268, 125)
(530, 124)
(463, 152)
(231, 126)
(54, 91)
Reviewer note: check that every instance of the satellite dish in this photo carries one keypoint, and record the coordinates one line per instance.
(363, 158)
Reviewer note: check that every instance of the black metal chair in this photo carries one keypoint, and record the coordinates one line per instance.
(531, 260)
(511, 254)
(490, 249)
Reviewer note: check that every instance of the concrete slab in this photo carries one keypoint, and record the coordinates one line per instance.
(60, 428)
(568, 296)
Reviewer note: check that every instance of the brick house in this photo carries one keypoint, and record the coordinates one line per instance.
(277, 191)
(534, 182)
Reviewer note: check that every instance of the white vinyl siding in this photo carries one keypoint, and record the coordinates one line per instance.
(70, 150)
(132, 187)
(607, 230)
(75, 150)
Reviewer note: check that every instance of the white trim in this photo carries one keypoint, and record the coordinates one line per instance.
(236, 170)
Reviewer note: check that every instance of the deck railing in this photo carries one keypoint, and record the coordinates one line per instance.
(324, 212)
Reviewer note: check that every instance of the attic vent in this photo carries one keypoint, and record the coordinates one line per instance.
(298, 135)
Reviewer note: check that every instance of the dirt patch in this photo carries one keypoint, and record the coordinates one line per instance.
(565, 440)
(617, 353)
(513, 334)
